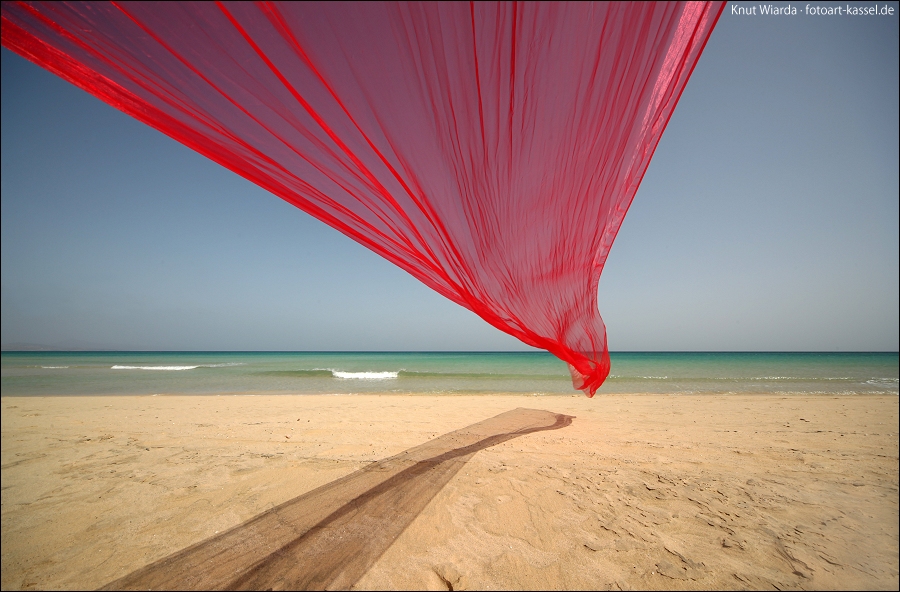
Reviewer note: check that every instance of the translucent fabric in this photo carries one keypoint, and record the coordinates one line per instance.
(489, 149)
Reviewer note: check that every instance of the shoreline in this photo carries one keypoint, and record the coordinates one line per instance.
(641, 491)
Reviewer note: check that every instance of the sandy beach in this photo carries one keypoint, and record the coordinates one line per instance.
(453, 492)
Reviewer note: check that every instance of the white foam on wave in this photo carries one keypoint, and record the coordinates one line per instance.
(117, 367)
(637, 377)
(49, 367)
(154, 367)
(364, 375)
(801, 378)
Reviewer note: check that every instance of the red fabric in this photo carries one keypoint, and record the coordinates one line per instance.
(489, 149)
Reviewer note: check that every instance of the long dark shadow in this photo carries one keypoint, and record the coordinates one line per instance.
(329, 537)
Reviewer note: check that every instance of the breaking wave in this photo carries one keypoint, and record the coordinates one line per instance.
(175, 368)
(364, 375)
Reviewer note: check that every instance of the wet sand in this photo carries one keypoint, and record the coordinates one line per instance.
(636, 491)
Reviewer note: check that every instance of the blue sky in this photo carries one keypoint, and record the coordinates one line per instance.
(768, 220)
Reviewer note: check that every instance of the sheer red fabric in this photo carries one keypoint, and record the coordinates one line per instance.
(489, 149)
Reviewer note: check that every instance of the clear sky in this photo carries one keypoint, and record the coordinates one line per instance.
(768, 220)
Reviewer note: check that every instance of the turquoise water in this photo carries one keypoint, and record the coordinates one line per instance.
(76, 373)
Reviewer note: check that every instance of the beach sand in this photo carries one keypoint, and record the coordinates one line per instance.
(615, 492)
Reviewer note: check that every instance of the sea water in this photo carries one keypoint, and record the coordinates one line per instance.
(161, 373)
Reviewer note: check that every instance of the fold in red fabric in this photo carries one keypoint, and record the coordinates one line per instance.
(489, 149)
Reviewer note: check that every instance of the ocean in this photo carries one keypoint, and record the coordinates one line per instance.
(162, 373)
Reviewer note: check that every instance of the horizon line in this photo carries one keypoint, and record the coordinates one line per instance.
(40, 349)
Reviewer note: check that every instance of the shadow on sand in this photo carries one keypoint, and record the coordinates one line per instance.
(328, 538)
